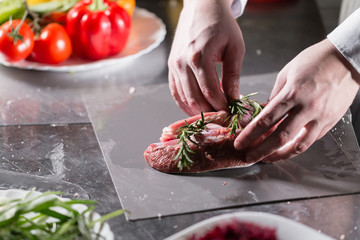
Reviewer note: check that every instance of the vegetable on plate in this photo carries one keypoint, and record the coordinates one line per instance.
(51, 10)
(128, 5)
(13, 8)
(53, 46)
(98, 28)
(16, 40)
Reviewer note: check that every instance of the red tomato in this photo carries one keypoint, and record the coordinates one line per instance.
(53, 45)
(16, 46)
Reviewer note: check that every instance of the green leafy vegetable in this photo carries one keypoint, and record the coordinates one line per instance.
(239, 107)
(186, 133)
(46, 217)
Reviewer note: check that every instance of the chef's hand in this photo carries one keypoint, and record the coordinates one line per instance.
(310, 95)
(206, 33)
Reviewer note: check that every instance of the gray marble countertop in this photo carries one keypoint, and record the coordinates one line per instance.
(48, 138)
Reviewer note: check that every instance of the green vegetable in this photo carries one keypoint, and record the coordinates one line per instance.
(46, 217)
(13, 8)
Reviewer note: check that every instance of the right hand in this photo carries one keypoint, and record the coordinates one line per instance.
(206, 33)
(310, 95)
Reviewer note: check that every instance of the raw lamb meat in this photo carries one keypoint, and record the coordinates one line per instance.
(215, 149)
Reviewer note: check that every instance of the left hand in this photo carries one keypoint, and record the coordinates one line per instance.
(310, 96)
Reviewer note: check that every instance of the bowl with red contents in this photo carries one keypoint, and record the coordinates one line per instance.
(248, 226)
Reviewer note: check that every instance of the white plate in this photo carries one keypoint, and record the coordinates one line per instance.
(147, 32)
(10, 194)
(285, 228)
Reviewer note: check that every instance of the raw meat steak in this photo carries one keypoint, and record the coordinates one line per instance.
(215, 149)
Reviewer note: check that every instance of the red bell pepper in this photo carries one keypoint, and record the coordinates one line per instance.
(98, 28)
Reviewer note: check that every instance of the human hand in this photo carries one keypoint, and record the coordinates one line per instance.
(206, 33)
(310, 95)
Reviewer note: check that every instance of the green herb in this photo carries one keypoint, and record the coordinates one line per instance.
(49, 218)
(186, 133)
(239, 107)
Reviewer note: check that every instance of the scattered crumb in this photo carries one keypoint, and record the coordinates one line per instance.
(288, 202)
(258, 51)
(224, 183)
(342, 236)
(132, 90)
(159, 216)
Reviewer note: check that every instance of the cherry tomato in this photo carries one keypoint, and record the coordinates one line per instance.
(16, 45)
(53, 45)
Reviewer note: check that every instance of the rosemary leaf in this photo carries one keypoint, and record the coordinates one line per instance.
(187, 133)
(240, 107)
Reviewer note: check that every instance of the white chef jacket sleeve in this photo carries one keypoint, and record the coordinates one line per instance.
(346, 38)
(238, 7)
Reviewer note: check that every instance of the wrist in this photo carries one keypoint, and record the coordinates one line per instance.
(345, 62)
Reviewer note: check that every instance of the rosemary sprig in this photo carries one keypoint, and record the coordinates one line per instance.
(239, 107)
(186, 133)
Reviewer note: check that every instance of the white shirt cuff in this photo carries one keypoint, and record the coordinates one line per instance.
(346, 38)
(237, 7)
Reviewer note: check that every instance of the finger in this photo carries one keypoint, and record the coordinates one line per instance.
(267, 118)
(204, 69)
(232, 63)
(285, 133)
(179, 87)
(194, 97)
(175, 93)
(306, 137)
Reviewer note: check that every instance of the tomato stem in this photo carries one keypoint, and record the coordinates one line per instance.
(14, 33)
(35, 25)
